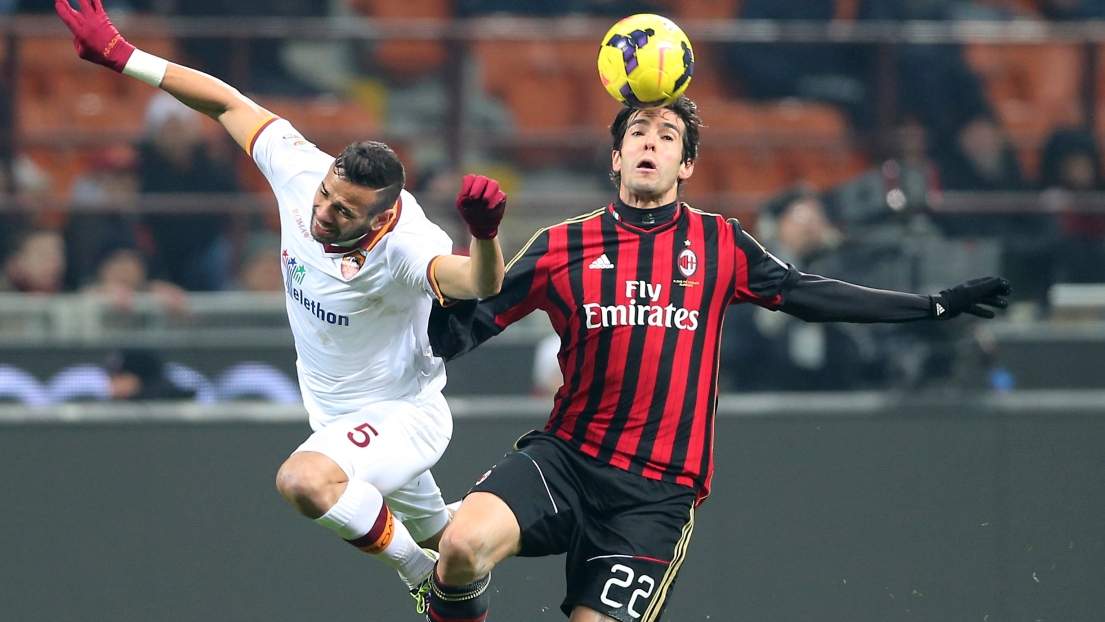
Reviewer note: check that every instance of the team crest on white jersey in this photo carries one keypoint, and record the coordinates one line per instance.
(688, 263)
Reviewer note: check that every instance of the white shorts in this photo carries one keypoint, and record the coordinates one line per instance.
(392, 446)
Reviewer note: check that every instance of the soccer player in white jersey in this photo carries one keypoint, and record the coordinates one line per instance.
(362, 265)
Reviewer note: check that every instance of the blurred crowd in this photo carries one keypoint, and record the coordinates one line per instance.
(884, 228)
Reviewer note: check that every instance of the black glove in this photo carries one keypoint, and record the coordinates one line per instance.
(970, 296)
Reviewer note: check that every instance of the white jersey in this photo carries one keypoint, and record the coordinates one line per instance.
(360, 340)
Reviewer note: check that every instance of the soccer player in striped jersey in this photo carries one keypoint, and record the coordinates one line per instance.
(362, 264)
(637, 292)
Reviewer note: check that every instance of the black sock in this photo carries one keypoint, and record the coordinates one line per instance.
(459, 603)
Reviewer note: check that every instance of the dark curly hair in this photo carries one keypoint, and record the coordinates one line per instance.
(687, 111)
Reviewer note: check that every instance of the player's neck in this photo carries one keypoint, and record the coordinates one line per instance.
(349, 243)
(647, 201)
(645, 217)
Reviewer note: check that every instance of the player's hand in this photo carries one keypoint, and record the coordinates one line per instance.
(972, 297)
(94, 37)
(481, 204)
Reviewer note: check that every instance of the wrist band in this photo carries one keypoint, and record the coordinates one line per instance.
(146, 67)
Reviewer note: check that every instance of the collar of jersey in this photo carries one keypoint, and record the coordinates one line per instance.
(369, 240)
(613, 211)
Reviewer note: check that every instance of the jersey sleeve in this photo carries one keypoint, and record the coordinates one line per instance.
(281, 152)
(815, 298)
(461, 327)
(764, 278)
(410, 257)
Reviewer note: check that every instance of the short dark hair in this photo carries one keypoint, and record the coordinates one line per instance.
(687, 111)
(374, 165)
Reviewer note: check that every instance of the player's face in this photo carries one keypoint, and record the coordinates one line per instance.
(651, 158)
(340, 210)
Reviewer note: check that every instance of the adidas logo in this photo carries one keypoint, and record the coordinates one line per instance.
(602, 263)
(939, 309)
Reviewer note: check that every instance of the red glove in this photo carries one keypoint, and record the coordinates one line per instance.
(481, 204)
(94, 37)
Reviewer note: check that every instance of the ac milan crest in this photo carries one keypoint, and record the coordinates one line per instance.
(688, 263)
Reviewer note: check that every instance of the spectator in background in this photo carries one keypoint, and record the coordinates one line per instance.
(259, 271)
(191, 249)
(436, 187)
(139, 374)
(766, 351)
(36, 263)
(979, 159)
(122, 276)
(1071, 163)
(982, 159)
(109, 181)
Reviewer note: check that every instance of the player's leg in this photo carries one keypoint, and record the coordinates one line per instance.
(420, 506)
(378, 450)
(421, 509)
(523, 506)
(483, 533)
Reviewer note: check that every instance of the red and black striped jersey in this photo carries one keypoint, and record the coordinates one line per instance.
(639, 313)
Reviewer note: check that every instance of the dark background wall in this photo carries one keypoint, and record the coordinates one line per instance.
(974, 516)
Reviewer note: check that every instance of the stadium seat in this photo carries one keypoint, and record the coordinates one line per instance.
(407, 60)
(1034, 88)
(1021, 8)
(745, 170)
(62, 164)
(705, 9)
(67, 110)
(824, 168)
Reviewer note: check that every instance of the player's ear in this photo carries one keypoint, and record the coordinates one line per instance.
(381, 220)
(686, 169)
(616, 161)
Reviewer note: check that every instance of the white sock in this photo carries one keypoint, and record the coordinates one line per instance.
(361, 511)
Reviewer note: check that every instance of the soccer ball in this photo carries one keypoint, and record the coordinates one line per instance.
(646, 61)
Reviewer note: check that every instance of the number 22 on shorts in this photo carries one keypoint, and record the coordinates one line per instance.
(362, 435)
(626, 582)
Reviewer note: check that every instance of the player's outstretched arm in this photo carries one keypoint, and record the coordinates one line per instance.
(817, 299)
(98, 41)
(481, 204)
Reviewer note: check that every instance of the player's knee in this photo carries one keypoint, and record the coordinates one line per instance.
(307, 487)
(463, 555)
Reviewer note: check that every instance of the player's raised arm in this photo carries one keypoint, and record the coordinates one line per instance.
(481, 204)
(98, 41)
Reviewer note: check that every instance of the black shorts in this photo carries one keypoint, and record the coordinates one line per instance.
(625, 535)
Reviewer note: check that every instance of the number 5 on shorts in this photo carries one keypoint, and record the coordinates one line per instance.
(362, 435)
